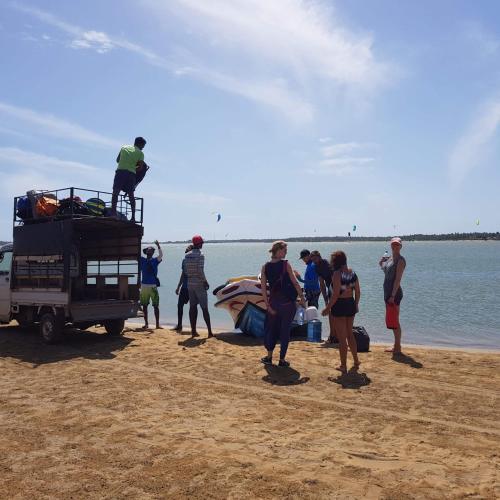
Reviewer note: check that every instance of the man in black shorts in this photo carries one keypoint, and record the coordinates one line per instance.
(130, 159)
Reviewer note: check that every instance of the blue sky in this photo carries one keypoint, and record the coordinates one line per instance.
(288, 117)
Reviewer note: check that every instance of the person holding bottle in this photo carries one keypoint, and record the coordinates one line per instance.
(393, 268)
(281, 302)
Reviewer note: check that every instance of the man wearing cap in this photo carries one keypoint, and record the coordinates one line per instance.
(311, 282)
(150, 283)
(194, 267)
(393, 268)
(130, 159)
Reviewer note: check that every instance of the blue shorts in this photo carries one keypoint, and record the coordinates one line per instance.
(124, 181)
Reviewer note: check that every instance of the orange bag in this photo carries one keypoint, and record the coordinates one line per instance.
(46, 206)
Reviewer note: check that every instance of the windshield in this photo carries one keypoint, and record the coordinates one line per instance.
(5, 261)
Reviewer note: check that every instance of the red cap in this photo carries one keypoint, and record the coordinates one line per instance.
(197, 240)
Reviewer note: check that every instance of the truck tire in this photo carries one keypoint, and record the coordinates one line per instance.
(114, 327)
(51, 328)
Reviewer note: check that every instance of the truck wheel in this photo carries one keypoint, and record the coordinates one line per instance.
(51, 328)
(114, 327)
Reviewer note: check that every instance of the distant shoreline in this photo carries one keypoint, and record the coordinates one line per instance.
(322, 239)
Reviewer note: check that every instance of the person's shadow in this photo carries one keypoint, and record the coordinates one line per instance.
(192, 342)
(281, 375)
(406, 360)
(351, 380)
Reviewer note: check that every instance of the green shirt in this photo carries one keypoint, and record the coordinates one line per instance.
(128, 158)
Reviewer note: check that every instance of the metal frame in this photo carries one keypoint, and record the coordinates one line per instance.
(123, 205)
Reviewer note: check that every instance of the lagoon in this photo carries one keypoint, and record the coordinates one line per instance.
(451, 288)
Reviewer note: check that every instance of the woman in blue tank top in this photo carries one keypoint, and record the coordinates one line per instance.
(281, 302)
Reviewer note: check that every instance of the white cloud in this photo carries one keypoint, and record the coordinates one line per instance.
(335, 159)
(306, 37)
(278, 54)
(47, 124)
(96, 40)
(346, 160)
(35, 161)
(472, 147)
(344, 148)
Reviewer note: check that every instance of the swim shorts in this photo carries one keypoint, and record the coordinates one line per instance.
(392, 316)
(198, 295)
(149, 293)
(344, 307)
(124, 181)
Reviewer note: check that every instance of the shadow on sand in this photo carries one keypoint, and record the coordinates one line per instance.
(351, 380)
(407, 360)
(277, 375)
(192, 342)
(25, 344)
(239, 339)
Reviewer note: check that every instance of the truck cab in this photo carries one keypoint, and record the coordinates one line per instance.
(71, 263)
(5, 277)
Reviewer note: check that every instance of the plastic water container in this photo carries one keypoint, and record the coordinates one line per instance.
(300, 316)
(311, 313)
(314, 331)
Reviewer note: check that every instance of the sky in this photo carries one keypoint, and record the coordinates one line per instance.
(287, 117)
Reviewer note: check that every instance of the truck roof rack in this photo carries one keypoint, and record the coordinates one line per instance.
(73, 203)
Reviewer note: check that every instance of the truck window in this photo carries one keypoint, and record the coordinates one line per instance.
(5, 262)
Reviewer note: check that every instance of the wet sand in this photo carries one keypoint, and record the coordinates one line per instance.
(159, 415)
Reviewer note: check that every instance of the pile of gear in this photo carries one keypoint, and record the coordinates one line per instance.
(42, 205)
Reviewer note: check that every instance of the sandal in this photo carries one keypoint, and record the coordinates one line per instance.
(266, 360)
(283, 363)
(342, 369)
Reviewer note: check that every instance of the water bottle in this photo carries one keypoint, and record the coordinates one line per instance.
(300, 316)
(314, 330)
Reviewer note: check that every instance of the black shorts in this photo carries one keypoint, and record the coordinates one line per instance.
(124, 181)
(183, 297)
(344, 307)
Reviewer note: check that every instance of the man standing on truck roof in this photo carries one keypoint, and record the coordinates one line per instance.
(150, 283)
(130, 159)
(193, 265)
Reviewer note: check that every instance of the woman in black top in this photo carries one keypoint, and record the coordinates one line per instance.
(343, 306)
(281, 302)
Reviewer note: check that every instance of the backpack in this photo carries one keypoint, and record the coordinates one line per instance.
(23, 208)
(46, 206)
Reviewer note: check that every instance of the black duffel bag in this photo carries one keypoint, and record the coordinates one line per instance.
(362, 338)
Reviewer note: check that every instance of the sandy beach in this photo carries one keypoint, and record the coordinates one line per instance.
(159, 415)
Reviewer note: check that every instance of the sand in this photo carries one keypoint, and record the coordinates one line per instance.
(158, 415)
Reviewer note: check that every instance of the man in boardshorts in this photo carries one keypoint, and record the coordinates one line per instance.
(150, 282)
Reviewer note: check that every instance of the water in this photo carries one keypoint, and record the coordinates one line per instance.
(451, 289)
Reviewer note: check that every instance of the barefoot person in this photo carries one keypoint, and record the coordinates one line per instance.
(281, 303)
(183, 294)
(343, 306)
(393, 268)
(129, 159)
(149, 283)
(197, 284)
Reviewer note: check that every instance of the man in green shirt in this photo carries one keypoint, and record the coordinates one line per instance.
(129, 159)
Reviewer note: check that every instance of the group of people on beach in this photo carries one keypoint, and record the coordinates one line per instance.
(334, 280)
(341, 291)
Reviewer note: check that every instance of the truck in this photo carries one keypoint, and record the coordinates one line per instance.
(72, 263)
